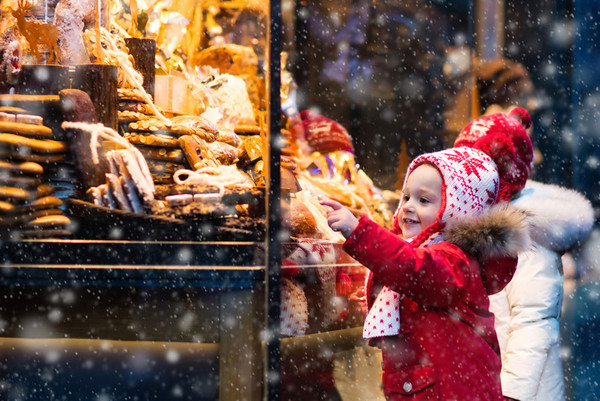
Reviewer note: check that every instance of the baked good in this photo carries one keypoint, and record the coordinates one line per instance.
(302, 222)
(160, 140)
(19, 182)
(24, 129)
(116, 188)
(44, 146)
(289, 180)
(223, 152)
(229, 137)
(76, 105)
(21, 196)
(16, 195)
(20, 169)
(12, 110)
(131, 94)
(139, 107)
(24, 155)
(229, 58)
(160, 167)
(247, 129)
(164, 154)
(29, 119)
(26, 217)
(199, 125)
(51, 226)
(127, 116)
(193, 149)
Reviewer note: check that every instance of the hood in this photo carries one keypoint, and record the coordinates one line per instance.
(493, 238)
(559, 218)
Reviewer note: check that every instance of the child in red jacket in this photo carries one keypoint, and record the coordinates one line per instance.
(453, 243)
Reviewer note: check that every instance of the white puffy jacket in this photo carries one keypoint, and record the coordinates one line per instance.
(527, 310)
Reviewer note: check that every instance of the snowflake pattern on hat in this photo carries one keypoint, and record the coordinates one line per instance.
(470, 181)
(477, 129)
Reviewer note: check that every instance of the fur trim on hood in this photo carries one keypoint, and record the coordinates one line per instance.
(501, 232)
(493, 238)
(559, 217)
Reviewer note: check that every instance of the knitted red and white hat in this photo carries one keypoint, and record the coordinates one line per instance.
(492, 157)
(322, 134)
(505, 139)
(470, 185)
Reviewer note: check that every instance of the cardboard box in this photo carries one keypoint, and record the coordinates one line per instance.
(173, 94)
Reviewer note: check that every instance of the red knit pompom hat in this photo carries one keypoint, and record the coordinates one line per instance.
(470, 186)
(322, 134)
(505, 139)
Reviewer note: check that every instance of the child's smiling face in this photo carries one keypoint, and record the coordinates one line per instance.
(421, 200)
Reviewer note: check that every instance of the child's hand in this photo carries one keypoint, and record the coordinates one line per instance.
(339, 218)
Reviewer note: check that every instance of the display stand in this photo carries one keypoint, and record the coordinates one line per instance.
(70, 297)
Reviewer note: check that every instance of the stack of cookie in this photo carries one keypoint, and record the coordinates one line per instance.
(132, 106)
(28, 208)
(159, 142)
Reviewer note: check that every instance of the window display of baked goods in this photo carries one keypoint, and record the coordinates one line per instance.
(171, 142)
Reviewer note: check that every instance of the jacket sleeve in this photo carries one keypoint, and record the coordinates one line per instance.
(435, 275)
(534, 299)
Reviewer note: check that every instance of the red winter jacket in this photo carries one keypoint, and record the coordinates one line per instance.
(447, 347)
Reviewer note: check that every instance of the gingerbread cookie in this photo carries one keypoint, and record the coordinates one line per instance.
(29, 130)
(138, 107)
(131, 94)
(20, 169)
(163, 141)
(24, 154)
(126, 116)
(163, 154)
(44, 146)
(182, 125)
(26, 217)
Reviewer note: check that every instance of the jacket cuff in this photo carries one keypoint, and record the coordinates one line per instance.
(355, 245)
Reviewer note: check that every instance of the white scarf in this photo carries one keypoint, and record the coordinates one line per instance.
(383, 318)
